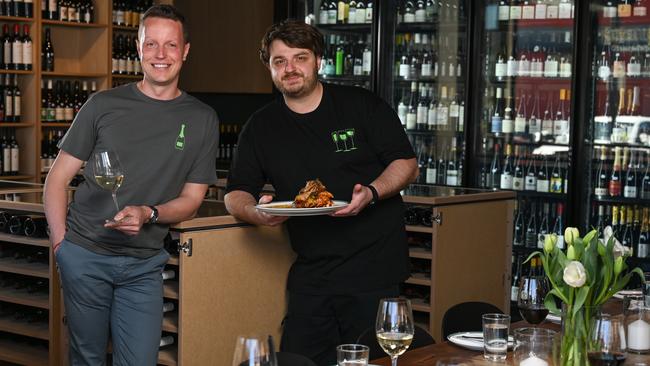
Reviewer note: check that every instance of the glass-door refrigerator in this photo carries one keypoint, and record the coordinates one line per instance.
(617, 124)
(521, 128)
(425, 79)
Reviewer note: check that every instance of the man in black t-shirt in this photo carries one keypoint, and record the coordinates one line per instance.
(354, 143)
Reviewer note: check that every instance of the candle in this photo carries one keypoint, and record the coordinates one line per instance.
(533, 361)
(638, 335)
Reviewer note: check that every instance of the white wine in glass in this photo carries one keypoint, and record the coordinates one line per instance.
(108, 172)
(394, 327)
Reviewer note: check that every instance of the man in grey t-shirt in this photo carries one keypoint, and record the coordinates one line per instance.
(111, 261)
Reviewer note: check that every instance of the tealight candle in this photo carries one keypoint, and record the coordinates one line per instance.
(533, 361)
(638, 335)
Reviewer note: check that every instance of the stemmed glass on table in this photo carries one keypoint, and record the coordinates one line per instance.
(394, 327)
(254, 351)
(530, 298)
(108, 172)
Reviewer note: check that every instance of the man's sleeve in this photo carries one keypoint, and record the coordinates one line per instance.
(79, 141)
(203, 168)
(246, 172)
(386, 134)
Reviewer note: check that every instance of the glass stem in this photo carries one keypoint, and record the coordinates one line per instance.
(114, 194)
(393, 361)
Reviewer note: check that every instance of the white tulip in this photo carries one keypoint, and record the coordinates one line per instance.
(575, 274)
(619, 249)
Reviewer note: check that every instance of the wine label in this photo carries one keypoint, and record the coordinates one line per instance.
(504, 12)
(512, 67)
(431, 176)
(528, 12)
(500, 69)
(530, 183)
(600, 191)
(520, 124)
(540, 11)
(515, 12)
(506, 181)
(452, 177)
(518, 184)
(629, 192)
(507, 125)
(542, 186)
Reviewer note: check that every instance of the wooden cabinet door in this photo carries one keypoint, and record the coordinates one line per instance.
(471, 257)
(233, 284)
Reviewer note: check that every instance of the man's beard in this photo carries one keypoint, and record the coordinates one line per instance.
(308, 85)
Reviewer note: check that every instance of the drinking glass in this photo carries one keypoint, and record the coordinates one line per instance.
(607, 341)
(254, 351)
(108, 172)
(530, 298)
(394, 327)
(637, 323)
(495, 336)
(533, 346)
(352, 355)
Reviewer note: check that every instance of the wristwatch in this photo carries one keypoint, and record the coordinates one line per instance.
(375, 195)
(154, 215)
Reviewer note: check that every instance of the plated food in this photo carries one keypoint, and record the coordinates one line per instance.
(313, 199)
(313, 194)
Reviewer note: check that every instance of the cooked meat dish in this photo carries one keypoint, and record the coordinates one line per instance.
(313, 194)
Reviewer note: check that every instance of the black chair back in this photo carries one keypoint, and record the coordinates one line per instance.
(466, 317)
(421, 338)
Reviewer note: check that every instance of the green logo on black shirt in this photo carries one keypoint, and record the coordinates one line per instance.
(180, 140)
(344, 140)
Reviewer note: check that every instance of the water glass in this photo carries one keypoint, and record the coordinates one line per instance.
(534, 346)
(637, 323)
(495, 336)
(352, 355)
(254, 351)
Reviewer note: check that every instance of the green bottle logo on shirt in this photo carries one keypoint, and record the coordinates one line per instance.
(180, 140)
(344, 140)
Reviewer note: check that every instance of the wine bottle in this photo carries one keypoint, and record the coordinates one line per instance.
(442, 110)
(547, 119)
(520, 119)
(630, 187)
(535, 121)
(411, 113)
(27, 49)
(166, 341)
(603, 123)
(558, 226)
(17, 49)
(508, 124)
(47, 52)
(530, 183)
(518, 239)
(168, 306)
(601, 186)
(543, 227)
(497, 120)
(506, 173)
(643, 245)
(626, 223)
(168, 274)
(431, 173)
(35, 226)
(556, 176)
(494, 175)
(531, 228)
(518, 175)
(514, 288)
(640, 9)
(624, 9)
(542, 176)
(561, 123)
(615, 176)
(645, 180)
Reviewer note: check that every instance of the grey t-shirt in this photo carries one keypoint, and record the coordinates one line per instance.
(144, 133)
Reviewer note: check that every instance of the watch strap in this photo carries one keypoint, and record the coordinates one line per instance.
(154, 215)
(375, 194)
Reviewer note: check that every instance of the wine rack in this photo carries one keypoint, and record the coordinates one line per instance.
(433, 226)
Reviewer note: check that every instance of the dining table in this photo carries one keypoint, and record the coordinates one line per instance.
(428, 355)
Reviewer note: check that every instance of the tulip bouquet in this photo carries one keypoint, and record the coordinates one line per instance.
(590, 272)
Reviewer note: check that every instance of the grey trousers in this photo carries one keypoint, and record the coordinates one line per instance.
(120, 293)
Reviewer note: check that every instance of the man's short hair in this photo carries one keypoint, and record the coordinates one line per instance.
(167, 12)
(293, 33)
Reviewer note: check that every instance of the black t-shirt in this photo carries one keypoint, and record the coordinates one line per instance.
(350, 138)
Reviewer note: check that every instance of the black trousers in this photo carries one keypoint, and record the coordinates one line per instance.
(316, 324)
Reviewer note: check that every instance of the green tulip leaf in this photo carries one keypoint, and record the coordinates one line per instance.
(549, 302)
(532, 255)
(581, 296)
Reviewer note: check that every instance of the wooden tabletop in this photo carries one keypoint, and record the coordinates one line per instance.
(427, 356)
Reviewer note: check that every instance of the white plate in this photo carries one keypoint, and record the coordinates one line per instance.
(621, 294)
(554, 318)
(472, 340)
(280, 209)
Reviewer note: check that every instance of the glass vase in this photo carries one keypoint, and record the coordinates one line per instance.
(576, 329)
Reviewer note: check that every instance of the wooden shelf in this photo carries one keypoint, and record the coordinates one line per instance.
(15, 177)
(36, 330)
(173, 260)
(73, 74)
(6, 18)
(124, 28)
(56, 124)
(168, 356)
(25, 268)
(126, 76)
(170, 322)
(419, 279)
(22, 353)
(420, 305)
(419, 229)
(37, 300)
(17, 124)
(170, 289)
(420, 253)
(24, 240)
(71, 24)
(19, 72)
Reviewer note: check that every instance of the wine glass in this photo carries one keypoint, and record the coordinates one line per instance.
(607, 341)
(394, 327)
(530, 298)
(254, 351)
(108, 172)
